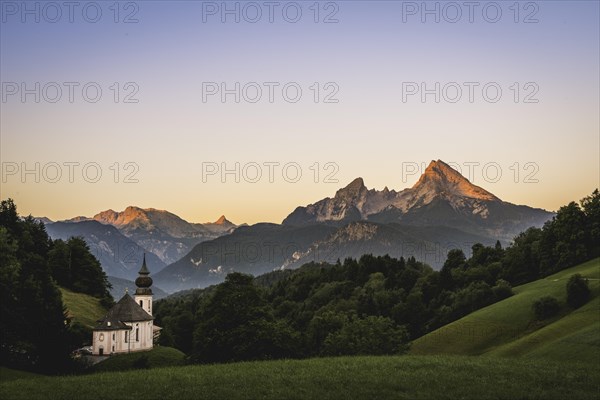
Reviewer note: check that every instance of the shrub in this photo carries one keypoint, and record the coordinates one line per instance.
(502, 290)
(545, 307)
(578, 292)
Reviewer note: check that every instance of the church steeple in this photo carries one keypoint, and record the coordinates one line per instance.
(143, 281)
(144, 269)
(143, 293)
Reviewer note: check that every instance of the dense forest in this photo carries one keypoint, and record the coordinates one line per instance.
(374, 305)
(36, 333)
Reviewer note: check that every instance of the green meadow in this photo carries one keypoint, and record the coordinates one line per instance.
(390, 377)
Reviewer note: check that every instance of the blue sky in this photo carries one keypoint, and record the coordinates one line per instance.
(367, 56)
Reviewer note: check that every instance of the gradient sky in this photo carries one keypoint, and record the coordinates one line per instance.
(371, 132)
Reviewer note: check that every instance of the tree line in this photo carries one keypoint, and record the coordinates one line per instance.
(35, 331)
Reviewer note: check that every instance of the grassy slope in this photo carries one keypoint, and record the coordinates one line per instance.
(506, 328)
(7, 374)
(84, 308)
(157, 357)
(401, 377)
(576, 337)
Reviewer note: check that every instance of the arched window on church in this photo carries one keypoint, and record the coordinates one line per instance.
(137, 334)
(142, 303)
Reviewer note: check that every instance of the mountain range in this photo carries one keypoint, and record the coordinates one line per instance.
(119, 239)
(119, 255)
(161, 232)
(441, 197)
(443, 210)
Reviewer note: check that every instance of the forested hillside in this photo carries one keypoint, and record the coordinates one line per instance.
(36, 331)
(373, 305)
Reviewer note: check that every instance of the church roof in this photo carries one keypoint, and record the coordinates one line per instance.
(106, 325)
(126, 310)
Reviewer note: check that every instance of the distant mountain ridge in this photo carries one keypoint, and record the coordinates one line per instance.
(162, 232)
(133, 218)
(119, 239)
(119, 256)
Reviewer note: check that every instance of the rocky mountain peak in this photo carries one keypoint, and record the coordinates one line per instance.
(108, 217)
(441, 179)
(129, 215)
(439, 184)
(134, 211)
(352, 191)
(222, 221)
(441, 172)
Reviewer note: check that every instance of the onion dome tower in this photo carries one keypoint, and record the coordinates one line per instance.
(143, 293)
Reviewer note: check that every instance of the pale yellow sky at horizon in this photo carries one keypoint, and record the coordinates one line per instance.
(244, 203)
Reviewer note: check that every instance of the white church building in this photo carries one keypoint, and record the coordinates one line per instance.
(129, 325)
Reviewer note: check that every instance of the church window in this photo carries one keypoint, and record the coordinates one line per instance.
(137, 334)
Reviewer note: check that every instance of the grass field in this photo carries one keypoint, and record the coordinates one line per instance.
(157, 357)
(397, 377)
(507, 328)
(83, 308)
(7, 374)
